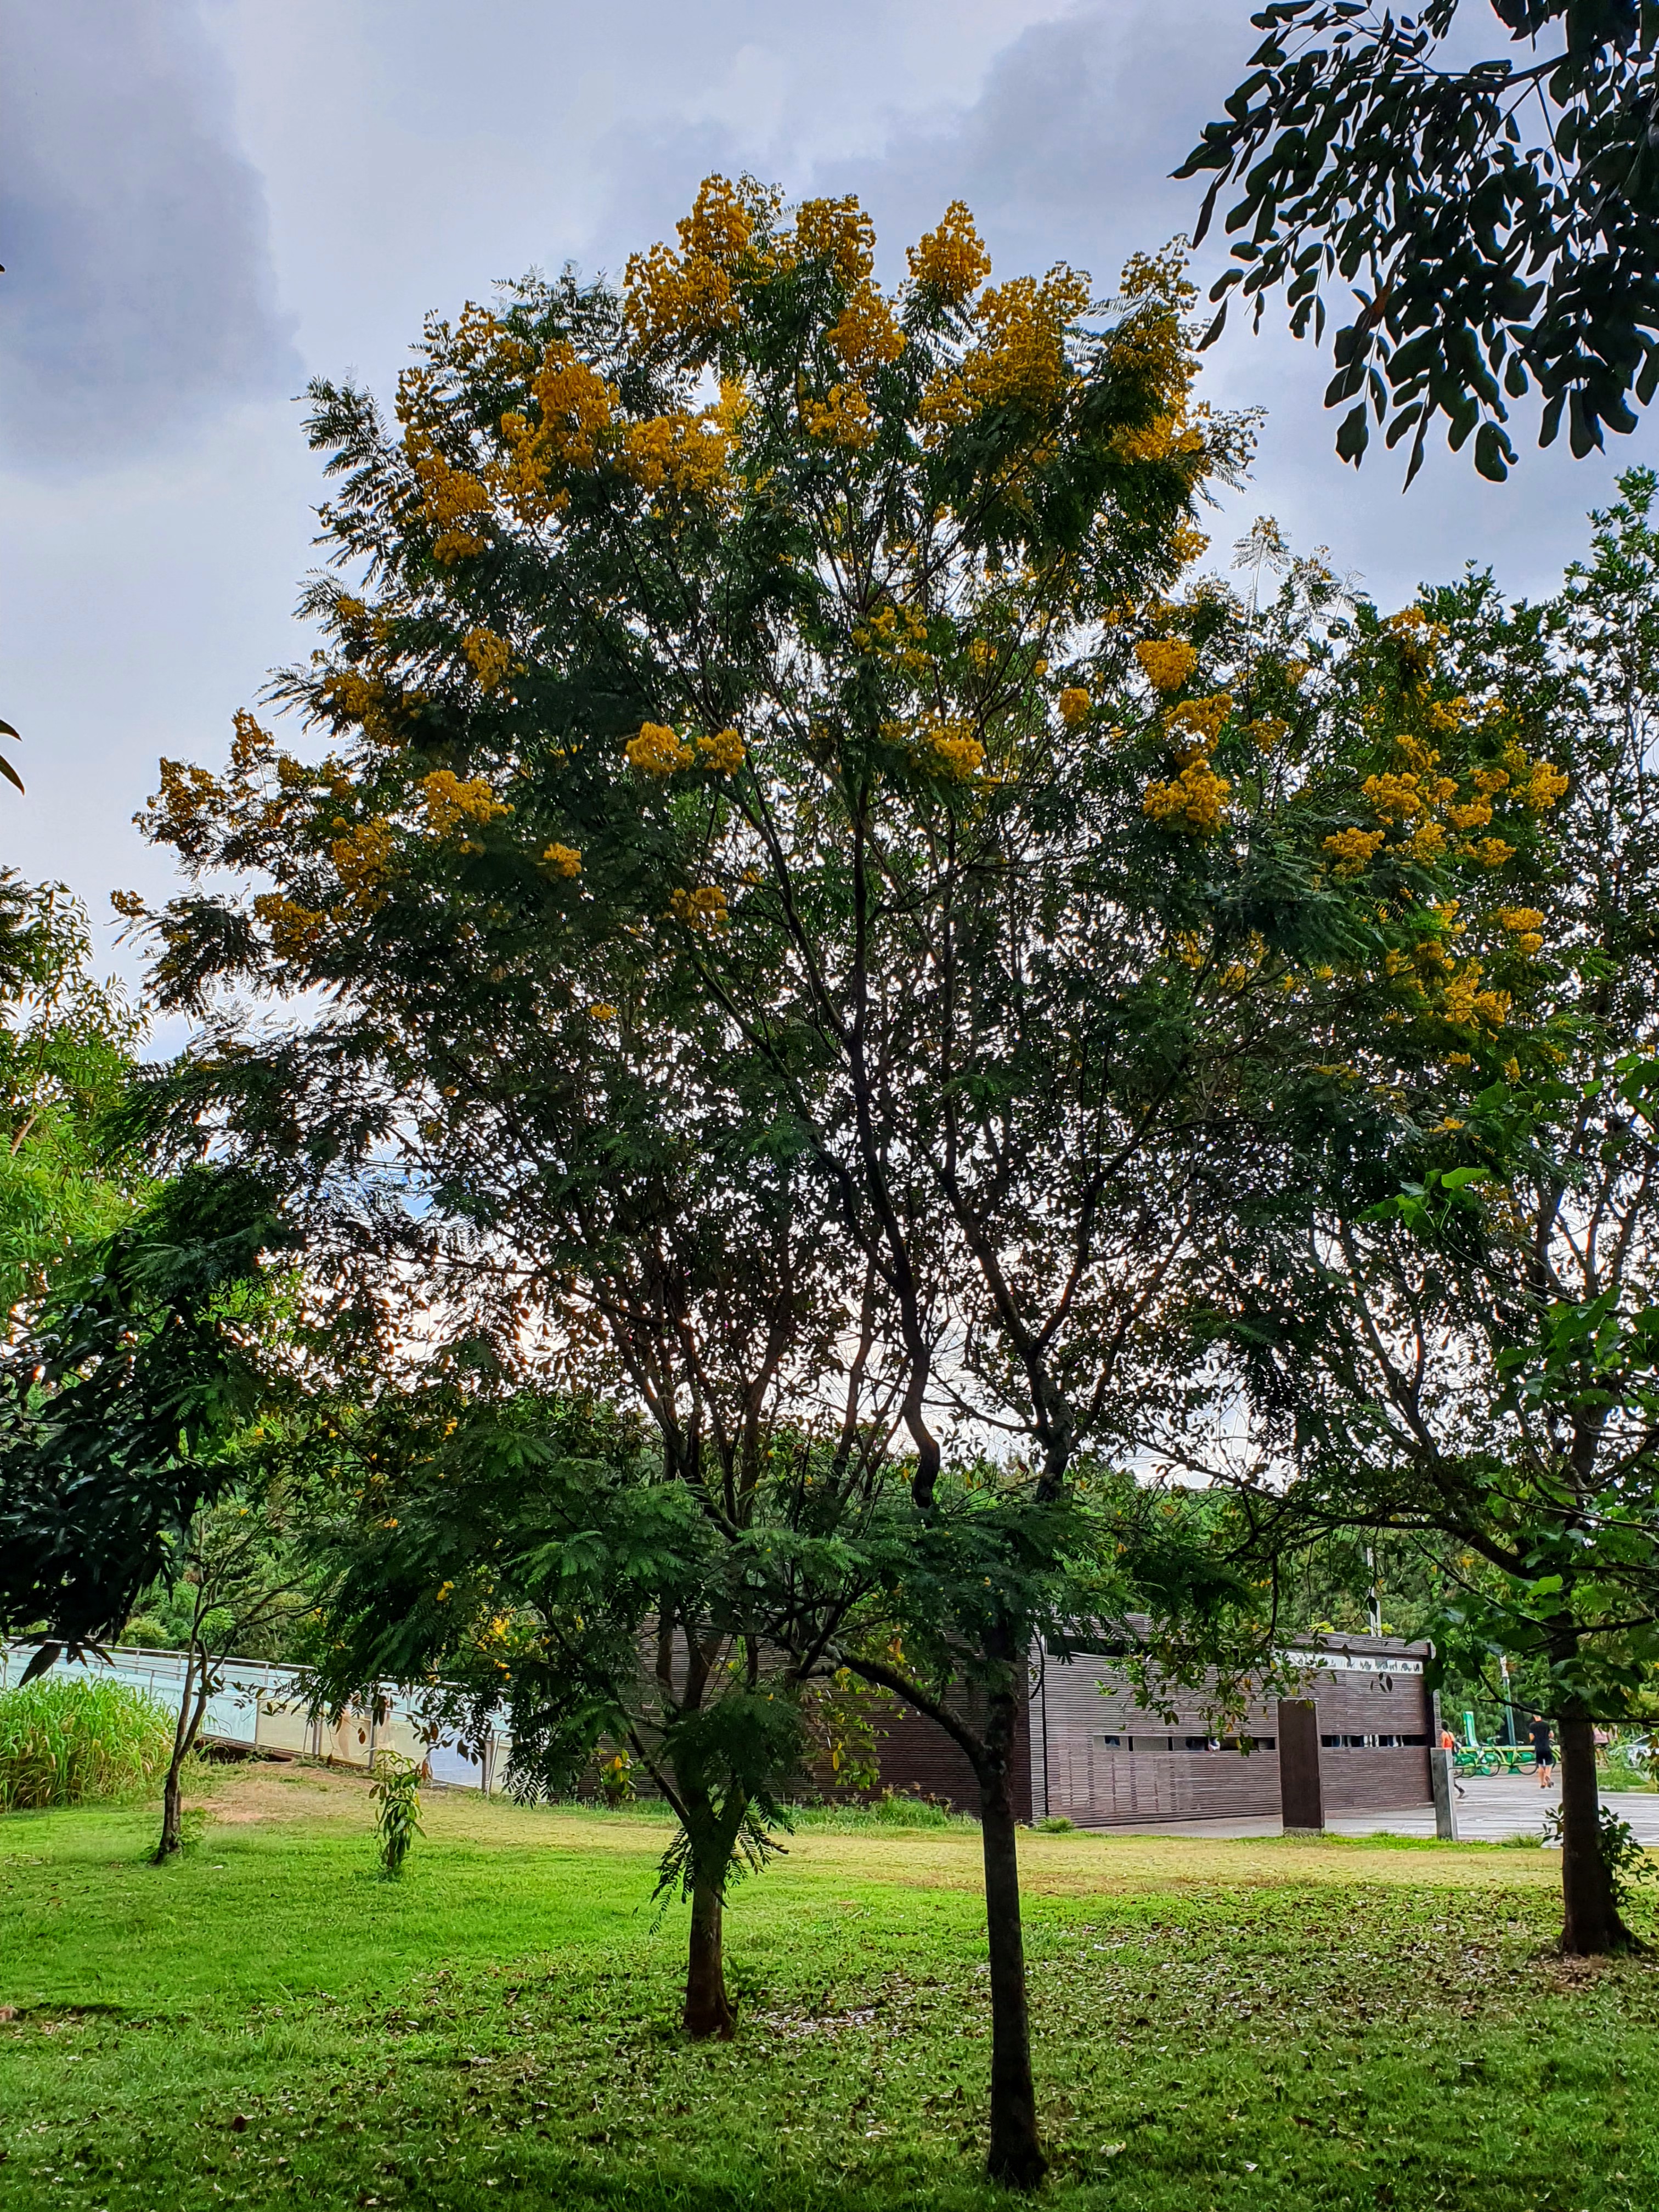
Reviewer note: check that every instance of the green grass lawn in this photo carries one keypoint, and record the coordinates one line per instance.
(1272, 2025)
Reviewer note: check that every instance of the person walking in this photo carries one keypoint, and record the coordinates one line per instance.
(1543, 1750)
(1449, 1744)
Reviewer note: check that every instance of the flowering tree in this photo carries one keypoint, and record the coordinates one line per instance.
(1446, 1320)
(802, 896)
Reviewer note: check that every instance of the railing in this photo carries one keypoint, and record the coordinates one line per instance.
(261, 1705)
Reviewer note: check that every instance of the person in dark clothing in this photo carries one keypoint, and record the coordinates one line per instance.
(1543, 1751)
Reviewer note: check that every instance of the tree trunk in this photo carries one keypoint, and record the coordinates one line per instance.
(1016, 2157)
(1591, 1924)
(707, 2010)
(192, 1704)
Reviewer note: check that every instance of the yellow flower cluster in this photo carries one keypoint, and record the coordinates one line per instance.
(1019, 360)
(720, 222)
(1195, 801)
(689, 452)
(700, 909)
(864, 334)
(1175, 431)
(360, 860)
(603, 1010)
(689, 293)
(1195, 724)
(563, 860)
(1353, 849)
(491, 656)
(723, 752)
(1405, 796)
(846, 416)
(451, 498)
(953, 745)
(1525, 924)
(294, 928)
(1491, 852)
(449, 800)
(1544, 785)
(950, 262)
(657, 751)
(1468, 1006)
(837, 231)
(898, 632)
(1269, 731)
(1075, 704)
(1168, 661)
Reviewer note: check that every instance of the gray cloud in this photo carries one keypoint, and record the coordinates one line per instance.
(139, 298)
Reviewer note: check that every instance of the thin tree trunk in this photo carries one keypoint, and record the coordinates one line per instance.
(1591, 1924)
(190, 1710)
(707, 2010)
(1016, 2158)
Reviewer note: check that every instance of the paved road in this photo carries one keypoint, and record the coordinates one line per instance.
(1492, 1806)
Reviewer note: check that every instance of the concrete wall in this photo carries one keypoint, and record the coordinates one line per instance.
(264, 1707)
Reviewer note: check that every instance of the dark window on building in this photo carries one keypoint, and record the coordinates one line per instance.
(1330, 1743)
(1199, 1743)
(1264, 1743)
(1114, 1741)
(1411, 1743)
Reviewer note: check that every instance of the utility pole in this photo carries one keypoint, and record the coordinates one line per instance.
(1373, 1595)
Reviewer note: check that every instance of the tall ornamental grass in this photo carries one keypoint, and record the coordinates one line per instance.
(76, 1741)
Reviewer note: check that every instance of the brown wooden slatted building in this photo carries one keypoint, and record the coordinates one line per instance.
(1357, 1739)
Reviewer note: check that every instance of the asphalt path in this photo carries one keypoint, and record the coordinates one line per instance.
(1493, 1807)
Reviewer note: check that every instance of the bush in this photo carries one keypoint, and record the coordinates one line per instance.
(889, 1810)
(73, 1742)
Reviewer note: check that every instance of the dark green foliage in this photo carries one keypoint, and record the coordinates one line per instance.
(114, 1406)
(67, 1048)
(1497, 222)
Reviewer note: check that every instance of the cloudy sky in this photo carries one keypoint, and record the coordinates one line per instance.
(207, 201)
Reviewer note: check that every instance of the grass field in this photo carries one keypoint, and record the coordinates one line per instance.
(1269, 2025)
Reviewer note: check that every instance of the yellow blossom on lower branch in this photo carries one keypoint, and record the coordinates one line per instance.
(491, 656)
(704, 908)
(846, 417)
(449, 800)
(1525, 924)
(1199, 721)
(951, 741)
(1075, 704)
(563, 860)
(1195, 801)
(1491, 852)
(360, 859)
(294, 928)
(1168, 661)
(657, 751)
(602, 1011)
(723, 751)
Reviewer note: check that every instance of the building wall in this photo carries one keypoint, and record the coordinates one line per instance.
(917, 1758)
(1161, 1769)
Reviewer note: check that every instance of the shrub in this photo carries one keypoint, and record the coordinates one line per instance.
(73, 1742)
(889, 1810)
(398, 1789)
